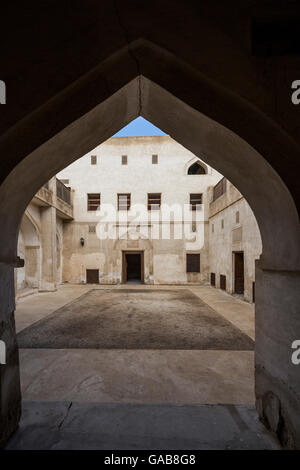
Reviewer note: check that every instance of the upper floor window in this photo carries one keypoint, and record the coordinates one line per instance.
(93, 201)
(196, 169)
(195, 201)
(154, 159)
(124, 202)
(93, 159)
(219, 189)
(124, 159)
(154, 201)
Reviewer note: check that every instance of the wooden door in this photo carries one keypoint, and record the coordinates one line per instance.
(239, 273)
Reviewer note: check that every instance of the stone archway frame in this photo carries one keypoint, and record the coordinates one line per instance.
(277, 316)
(29, 226)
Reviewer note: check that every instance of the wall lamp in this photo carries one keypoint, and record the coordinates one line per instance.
(82, 241)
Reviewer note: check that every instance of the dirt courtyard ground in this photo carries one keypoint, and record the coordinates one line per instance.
(58, 331)
(136, 319)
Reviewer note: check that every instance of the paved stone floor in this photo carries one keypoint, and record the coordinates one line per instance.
(142, 389)
(83, 426)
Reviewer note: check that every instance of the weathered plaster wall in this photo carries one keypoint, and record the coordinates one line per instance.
(139, 177)
(228, 235)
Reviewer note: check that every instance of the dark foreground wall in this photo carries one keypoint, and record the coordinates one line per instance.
(61, 60)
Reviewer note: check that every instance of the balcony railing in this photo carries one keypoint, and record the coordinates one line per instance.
(219, 189)
(63, 192)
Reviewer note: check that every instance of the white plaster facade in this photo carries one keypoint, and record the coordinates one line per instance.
(233, 229)
(164, 259)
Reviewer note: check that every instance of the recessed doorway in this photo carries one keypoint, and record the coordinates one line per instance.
(133, 266)
(239, 273)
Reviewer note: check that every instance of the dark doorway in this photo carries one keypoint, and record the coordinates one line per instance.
(133, 267)
(92, 276)
(239, 273)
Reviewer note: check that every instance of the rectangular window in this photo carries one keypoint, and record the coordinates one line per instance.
(93, 159)
(92, 228)
(212, 279)
(193, 263)
(154, 201)
(124, 201)
(154, 159)
(222, 224)
(195, 201)
(237, 217)
(219, 189)
(124, 159)
(93, 201)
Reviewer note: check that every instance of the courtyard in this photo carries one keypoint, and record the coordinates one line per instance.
(115, 363)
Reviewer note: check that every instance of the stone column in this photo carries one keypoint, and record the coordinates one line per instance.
(48, 245)
(10, 390)
(277, 379)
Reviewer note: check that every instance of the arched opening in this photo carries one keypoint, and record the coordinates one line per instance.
(29, 249)
(220, 148)
(196, 169)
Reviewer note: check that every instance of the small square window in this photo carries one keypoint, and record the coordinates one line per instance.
(92, 228)
(154, 159)
(124, 159)
(195, 201)
(93, 201)
(93, 159)
(154, 201)
(123, 202)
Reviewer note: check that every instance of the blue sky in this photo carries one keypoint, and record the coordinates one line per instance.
(139, 127)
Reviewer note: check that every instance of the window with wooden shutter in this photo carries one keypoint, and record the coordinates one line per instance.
(93, 201)
(93, 159)
(124, 202)
(195, 201)
(193, 263)
(212, 279)
(219, 189)
(124, 159)
(154, 159)
(154, 201)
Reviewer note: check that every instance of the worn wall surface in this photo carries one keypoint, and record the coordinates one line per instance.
(164, 231)
(233, 228)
